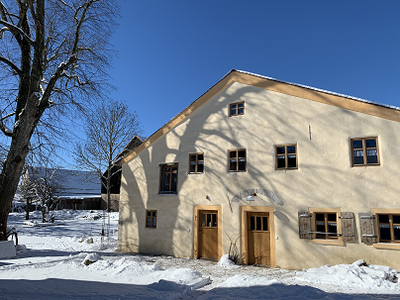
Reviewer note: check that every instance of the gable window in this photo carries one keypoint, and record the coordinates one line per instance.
(389, 228)
(237, 160)
(236, 109)
(196, 163)
(365, 151)
(286, 157)
(169, 178)
(151, 218)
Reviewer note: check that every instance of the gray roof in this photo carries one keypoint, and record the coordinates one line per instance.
(73, 184)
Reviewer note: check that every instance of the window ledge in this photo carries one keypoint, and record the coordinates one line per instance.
(389, 246)
(167, 193)
(338, 242)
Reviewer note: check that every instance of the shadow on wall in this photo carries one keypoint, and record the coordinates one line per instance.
(317, 180)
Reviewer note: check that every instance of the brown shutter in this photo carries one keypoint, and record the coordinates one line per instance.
(348, 227)
(305, 225)
(367, 228)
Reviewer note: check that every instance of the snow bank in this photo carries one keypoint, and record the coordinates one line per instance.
(7, 249)
(358, 275)
(226, 263)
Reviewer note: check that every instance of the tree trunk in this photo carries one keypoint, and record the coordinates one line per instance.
(28, 208)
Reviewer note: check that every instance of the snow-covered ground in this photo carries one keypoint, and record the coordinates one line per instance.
(70, 260)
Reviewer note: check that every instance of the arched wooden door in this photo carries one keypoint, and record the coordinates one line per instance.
(208, 234)
(258, 238)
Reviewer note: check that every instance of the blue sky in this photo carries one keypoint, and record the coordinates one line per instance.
(171, 52)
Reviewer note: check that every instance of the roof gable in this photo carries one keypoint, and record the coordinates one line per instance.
(268, 83)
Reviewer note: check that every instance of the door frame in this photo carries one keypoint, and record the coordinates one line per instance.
(198, 208)
(244, 236)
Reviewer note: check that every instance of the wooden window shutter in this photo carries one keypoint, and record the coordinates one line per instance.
(348, 227)
(367, 228)
(305, 225)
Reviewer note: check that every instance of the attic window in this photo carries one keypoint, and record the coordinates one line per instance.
(365, 151)
(196, 163)
(236, 109)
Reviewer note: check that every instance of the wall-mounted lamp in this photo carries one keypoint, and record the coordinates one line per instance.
(251, 197)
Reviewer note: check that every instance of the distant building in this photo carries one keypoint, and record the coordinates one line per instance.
(75, 189)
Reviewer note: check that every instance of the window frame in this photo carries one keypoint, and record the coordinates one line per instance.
(286, 154)
(196, 155)
(364, 151)
(333, 241)
(162, 174)
(152, 217)
(237, 109)
(237, 157)
(381, 244)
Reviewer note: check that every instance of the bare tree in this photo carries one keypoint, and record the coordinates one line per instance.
(53, 57)
(108, 129)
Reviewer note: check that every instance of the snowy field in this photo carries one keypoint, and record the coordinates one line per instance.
(71, 261)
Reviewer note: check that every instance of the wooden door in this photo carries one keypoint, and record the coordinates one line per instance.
(208, 234)
(258, 235)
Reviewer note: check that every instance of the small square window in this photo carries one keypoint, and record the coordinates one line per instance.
(196, 163)
(237, 160)
(236, 109)
(286, 157)
(151, 218)
(365, 151)
(326, 225)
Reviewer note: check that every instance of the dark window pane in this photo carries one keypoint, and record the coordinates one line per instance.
(240, 111)
(148, 213)
(214, 220)
(258, 223)
(291, 149)
(192, 167)
(154, 222)
(167, 177)
(148, 222)
(383, 218)
(233, 106)
(173, 183)
(242, 164)
(281, 162)
(174, 168)
(384, 231)
(265, 223)
(370, 143)
(332, 217)
(320, 226)
(396, 231)
(233, 112)
(200, 167)
(192, 158)
(280, 150)
(372, 156)
(320, 217)
(332, 227)
(357, 144)
(203, 220)
(358, 157)
(241, 105)
(208, 220)
(232, 154)
(232, 165)
(242, 153)
(252, 223)
(396, 219)
(200, 157)
(167, 169)
(291, 161)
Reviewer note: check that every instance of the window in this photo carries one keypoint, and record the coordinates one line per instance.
(209, 219)
(236, 109)
(169, 178)
(196, 163)
(151, 218)
(389, 228)
(365, 151)
(286, 157)
(237, 160)
(326, 225)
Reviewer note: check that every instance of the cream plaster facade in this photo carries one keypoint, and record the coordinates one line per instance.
(325, 177)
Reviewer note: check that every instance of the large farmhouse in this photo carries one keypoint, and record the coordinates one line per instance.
(284, 174)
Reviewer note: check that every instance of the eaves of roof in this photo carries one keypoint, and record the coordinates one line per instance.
(268, 83)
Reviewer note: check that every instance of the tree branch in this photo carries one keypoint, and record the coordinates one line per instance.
(10, 64)
(16, 31)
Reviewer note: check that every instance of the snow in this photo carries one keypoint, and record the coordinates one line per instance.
(70, 260)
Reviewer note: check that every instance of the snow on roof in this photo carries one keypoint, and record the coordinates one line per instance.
(73, 183)
(319, 90)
